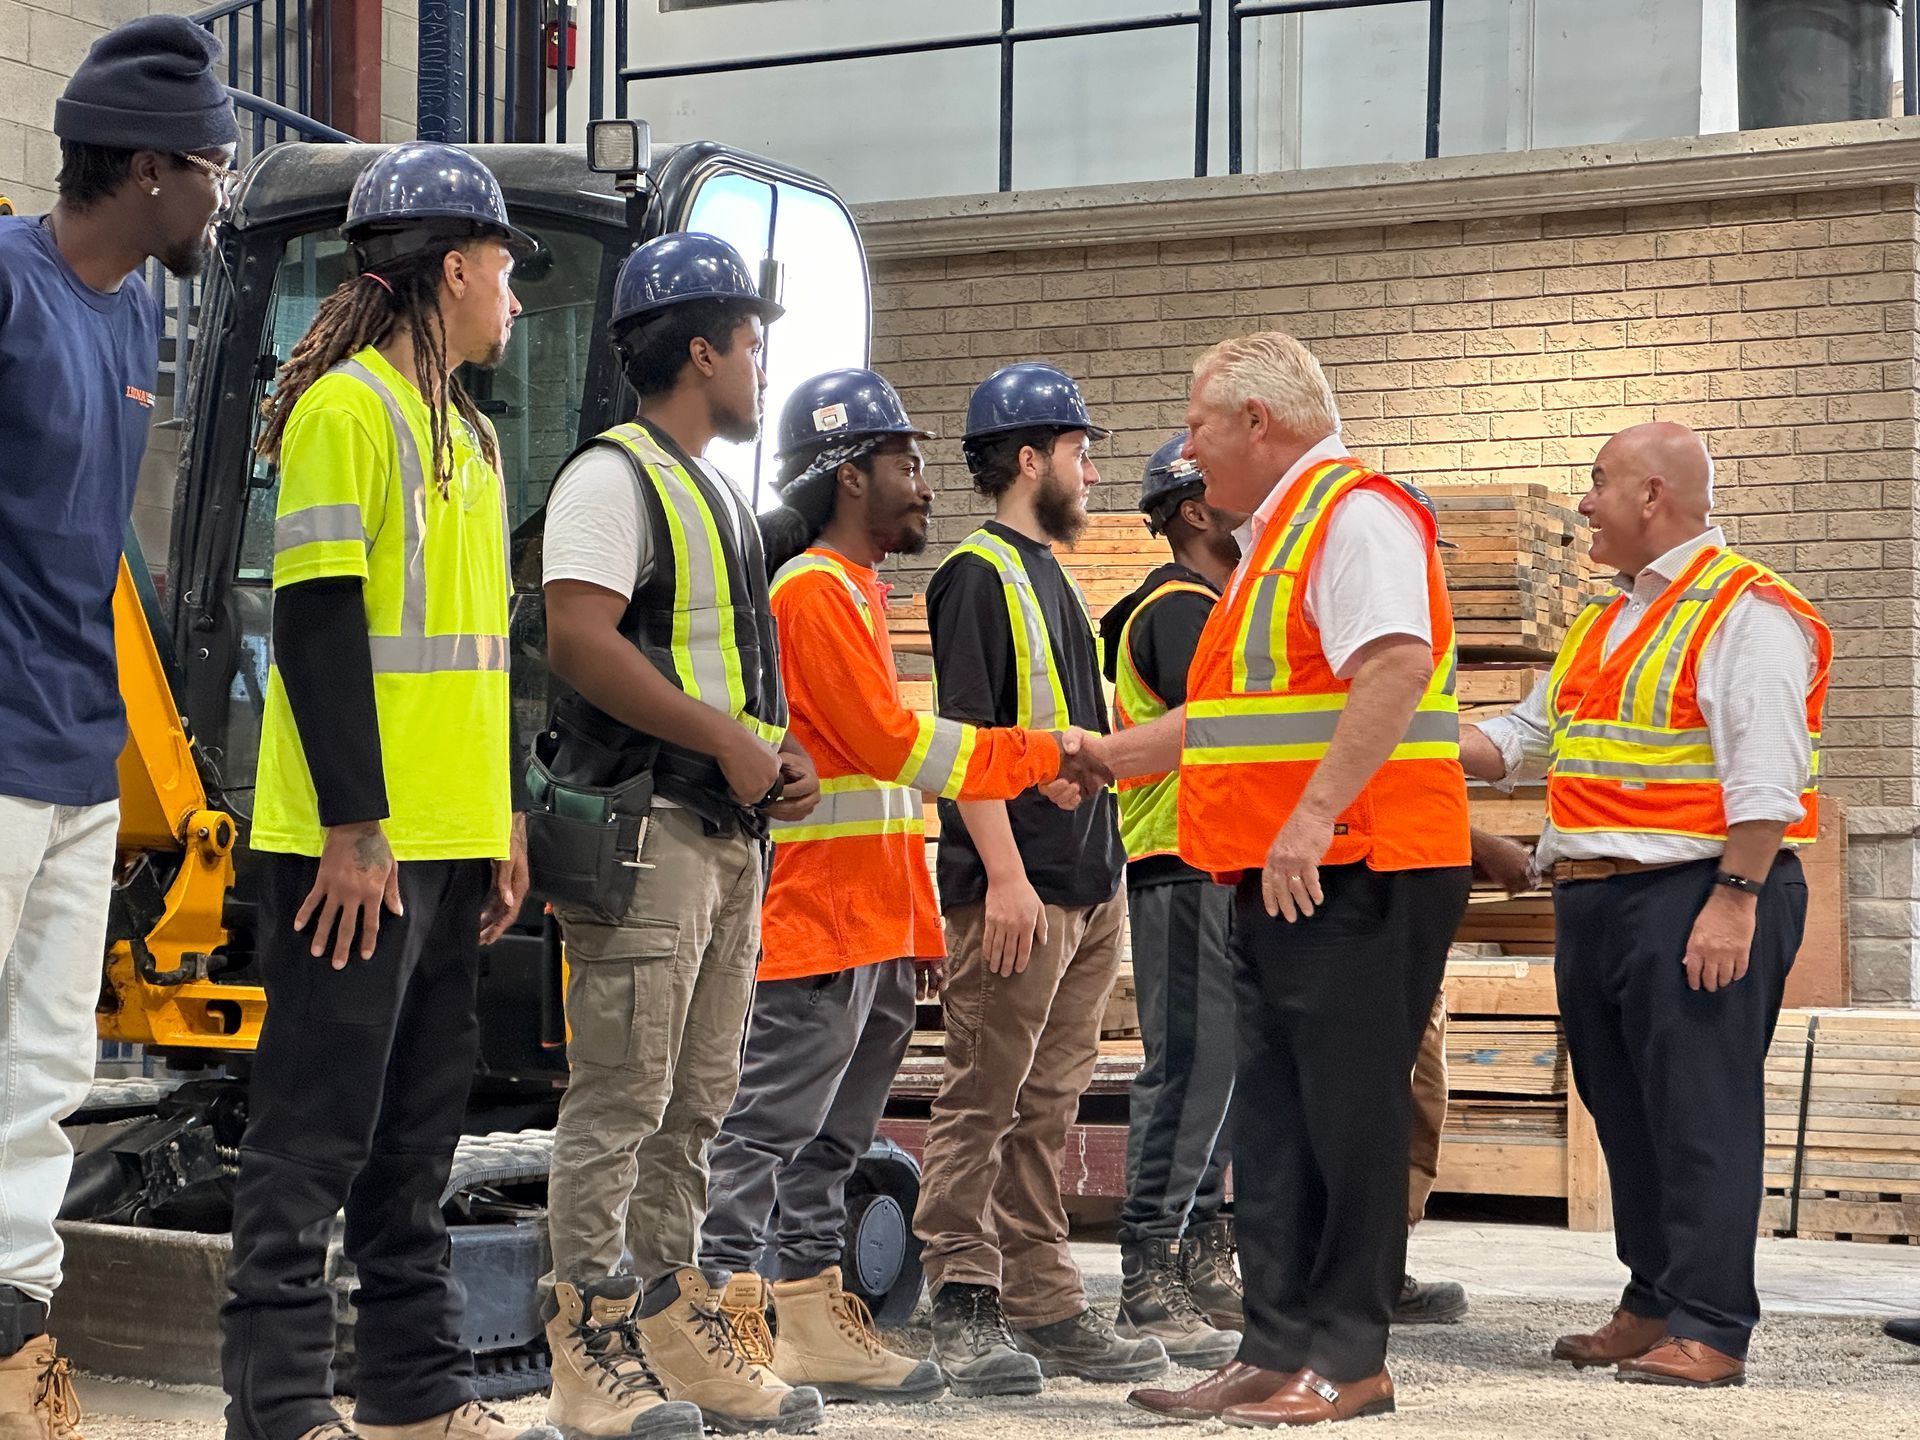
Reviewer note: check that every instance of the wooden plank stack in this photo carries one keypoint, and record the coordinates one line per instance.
(1843, 1126)
(1520, 572)
(1507, 1056)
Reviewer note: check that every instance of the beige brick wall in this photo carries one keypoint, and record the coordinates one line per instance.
(1782, 327)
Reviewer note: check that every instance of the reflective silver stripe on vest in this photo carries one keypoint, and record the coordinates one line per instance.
(1627, 770)
(706, 594)
(427, 654)
(413, 502)
(1314, 727)
(1262, 665)
(878, 805)
(1633, 734)
(413, 651)
(1681, 617)
(1040, 677)
(317, 523)
(935, 769)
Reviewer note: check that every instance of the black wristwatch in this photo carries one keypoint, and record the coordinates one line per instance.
(1738, 882)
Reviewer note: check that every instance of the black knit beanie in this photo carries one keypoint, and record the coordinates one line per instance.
(149, 85)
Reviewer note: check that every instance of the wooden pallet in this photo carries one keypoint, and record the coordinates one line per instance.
(1843, 1125)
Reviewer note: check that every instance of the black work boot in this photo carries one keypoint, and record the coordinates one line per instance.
(1155, 1304)
(1086, 1347)
(972, 1345)
(1213, 1273)
(1438, 1302)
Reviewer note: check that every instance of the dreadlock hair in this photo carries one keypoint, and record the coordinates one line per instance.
(994, 460)
(365, 311)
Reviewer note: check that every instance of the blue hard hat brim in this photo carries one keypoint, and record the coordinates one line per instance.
(1094, 432)
(768, 310)
(520, 245)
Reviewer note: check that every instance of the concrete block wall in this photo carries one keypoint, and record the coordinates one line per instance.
(1506, 344)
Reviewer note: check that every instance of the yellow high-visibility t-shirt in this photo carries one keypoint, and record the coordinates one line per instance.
(358, 499)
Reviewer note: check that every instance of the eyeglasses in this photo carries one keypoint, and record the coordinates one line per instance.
(226, 181)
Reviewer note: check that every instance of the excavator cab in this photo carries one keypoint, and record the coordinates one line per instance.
(194, 628)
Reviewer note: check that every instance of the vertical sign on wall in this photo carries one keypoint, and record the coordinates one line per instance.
(443, 71)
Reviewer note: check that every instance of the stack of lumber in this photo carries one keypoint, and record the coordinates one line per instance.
(1843, 1126)
(1507, 1056)
(1520, 572)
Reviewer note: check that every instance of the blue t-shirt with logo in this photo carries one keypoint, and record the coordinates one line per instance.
(77, 375)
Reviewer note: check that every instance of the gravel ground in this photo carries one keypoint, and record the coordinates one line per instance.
(1488, 1379)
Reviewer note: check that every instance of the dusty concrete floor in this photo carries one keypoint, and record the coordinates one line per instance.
(1820, 1367)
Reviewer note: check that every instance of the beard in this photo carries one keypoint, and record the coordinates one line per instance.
(1060, 509)
(909, 538)
(496, 352)
(186, 260)
(735, 428)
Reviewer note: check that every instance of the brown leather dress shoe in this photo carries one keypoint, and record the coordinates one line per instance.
(1231, 1385)
(1684, 1362)
(1621, 1338)
(1310, 1399)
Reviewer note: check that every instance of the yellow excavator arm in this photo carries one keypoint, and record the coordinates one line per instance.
(158, 992)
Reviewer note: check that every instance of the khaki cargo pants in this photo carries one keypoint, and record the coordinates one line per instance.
(1019, 1050)
(1429, 1111)
(657, 1008)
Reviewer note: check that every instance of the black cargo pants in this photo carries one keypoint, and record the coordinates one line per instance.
(359, 1087)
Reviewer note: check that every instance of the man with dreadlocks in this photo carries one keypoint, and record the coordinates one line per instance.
(850, 932)
(383, 787)
(658, 621)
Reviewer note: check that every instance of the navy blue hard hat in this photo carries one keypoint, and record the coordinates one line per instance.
(1028, 396)
(684, 266)
(1167, 473)
(842, 405)
(441, 189)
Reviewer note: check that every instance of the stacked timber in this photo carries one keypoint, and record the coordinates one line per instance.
(1843, 1126)
(1519, 573)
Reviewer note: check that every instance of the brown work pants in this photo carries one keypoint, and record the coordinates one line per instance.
(1020, 1051)
(1429, 1111)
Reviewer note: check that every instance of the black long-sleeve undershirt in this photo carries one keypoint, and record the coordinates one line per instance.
(325, 659)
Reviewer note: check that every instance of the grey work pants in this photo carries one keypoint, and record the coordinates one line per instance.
(822, 1052)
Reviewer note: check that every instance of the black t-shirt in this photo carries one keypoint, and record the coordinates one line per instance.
(1161, 644)
(1072, 857)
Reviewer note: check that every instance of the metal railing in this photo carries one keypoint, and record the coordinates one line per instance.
(1007, 38)
(279, 64)
(276, 51)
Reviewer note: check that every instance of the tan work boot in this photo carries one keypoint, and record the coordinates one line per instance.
(601, 1384)
(331, 1430)
(36, 1394)
(743, 1305)
(474, 1420)
(695, 1350)
(827, 1340)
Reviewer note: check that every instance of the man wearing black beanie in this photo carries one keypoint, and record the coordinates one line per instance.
(146, 134)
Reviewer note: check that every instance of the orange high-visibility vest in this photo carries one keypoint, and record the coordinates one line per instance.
(1631, 750)
(1263, 701)
(850, 884)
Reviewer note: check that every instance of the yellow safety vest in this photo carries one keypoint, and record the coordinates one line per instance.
(1149, 804)
(357, 500)
(1040, 696)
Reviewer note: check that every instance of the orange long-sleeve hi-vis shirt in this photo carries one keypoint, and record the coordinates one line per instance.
(850, 884)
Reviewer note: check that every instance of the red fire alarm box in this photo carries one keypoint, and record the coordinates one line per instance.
(562, 40)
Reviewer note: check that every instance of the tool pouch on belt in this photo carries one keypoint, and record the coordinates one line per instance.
(583, 841)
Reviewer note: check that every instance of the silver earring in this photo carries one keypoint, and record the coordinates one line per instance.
(154, 191)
